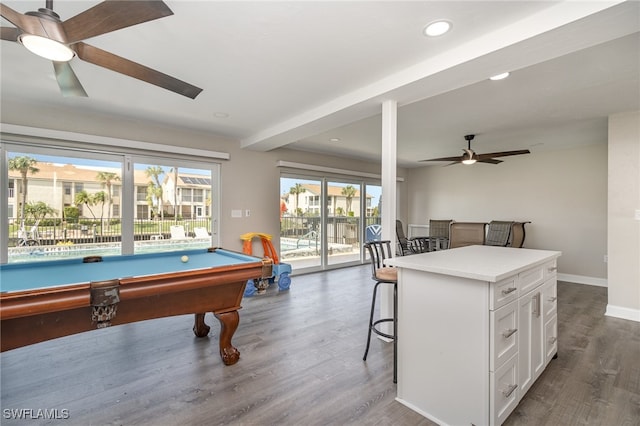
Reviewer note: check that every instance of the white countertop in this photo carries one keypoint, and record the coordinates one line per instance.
(486, 263)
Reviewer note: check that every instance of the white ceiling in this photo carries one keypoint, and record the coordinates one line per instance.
(298, 74)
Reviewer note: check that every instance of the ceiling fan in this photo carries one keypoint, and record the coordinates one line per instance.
(43, 33)
(470, 157)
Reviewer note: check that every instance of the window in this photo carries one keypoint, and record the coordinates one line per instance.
(82, 202)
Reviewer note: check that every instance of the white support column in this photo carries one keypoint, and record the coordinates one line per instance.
(389, 179)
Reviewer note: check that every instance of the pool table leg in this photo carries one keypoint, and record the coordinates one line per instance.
(228, 325)
(200, 328)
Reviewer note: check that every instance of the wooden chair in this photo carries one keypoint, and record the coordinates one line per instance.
(378, 252)
(464, 234)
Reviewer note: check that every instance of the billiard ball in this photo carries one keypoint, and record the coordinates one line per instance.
(184, 259)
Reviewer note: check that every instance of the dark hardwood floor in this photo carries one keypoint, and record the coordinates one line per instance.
(301, 364)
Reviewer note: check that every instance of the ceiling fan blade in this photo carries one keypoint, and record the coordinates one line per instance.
(124, 66)
(502, 154)
(113, 15)
(67, 80)
(458, 158)
(9, 33)
(490, 161)
(29, 24)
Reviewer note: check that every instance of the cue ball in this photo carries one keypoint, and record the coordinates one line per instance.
(184, 259)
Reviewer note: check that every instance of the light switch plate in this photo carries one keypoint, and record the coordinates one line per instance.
(236, 213)
(637, 217)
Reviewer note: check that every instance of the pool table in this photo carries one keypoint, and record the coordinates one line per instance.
(46, 300)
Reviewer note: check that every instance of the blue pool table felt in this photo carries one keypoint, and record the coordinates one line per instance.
(31, 276)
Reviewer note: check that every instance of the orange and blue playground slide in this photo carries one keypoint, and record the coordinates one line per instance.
(280, 270)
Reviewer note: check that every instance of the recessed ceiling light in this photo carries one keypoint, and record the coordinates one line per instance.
(334, 140)
(499, 76)
(437, 28)
(221, 115)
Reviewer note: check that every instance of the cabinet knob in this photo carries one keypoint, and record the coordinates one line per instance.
(552, 269)
(553, 339)
(552, 299)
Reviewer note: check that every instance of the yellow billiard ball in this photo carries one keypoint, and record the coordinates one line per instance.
(184, 259)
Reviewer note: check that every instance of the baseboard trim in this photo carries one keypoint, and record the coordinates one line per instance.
(581, 279)
(623, 313)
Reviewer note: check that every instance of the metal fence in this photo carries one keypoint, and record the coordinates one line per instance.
(340, 229)
(55, 231)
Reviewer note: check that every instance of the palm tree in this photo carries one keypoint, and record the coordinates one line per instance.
(154, 193)
(24, 165)
(154, 189)
(297, 190)
(100, 197)
(39, 210)
(83, 197)
(349, 192)
(107, 179)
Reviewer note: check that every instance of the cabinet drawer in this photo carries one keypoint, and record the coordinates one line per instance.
(503, 292)
(551, 269)
(504, 335)
(528, 280)
(549, 299)
(504, 391)
(551, 338)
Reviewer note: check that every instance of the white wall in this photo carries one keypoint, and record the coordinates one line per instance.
(562, 192)
(624, 229)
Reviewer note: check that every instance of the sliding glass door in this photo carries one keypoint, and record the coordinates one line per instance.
(301, 242)
(324, 222)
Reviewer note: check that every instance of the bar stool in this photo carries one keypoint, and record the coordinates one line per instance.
(378, 252)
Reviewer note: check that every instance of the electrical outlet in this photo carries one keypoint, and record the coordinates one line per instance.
(606, 258)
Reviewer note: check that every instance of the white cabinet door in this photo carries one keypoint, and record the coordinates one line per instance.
(531, 359)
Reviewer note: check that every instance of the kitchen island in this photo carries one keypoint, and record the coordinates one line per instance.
(477, 325)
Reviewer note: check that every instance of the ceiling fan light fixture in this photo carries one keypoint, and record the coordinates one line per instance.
(47, 48)
(469, 157)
